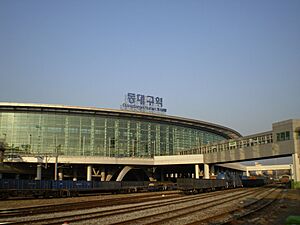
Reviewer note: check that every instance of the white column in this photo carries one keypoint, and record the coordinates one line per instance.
(103, 175)
(212, 169)
(296, 168)
(123, 172)
(206, 171)
(60, 174)
(197, 171)
(108, 176)
(247, 173)
(38, 172)
(89, 173)
(74, 174)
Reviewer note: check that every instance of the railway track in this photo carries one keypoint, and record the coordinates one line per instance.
(249, 207)
(252, 208)
(125, 210)
(169, 217)
(34, 210)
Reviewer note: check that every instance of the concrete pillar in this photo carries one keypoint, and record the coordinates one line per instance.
(206, 171)
(89, 173)
(102, 175)
(212, 169)
(123, 172)
(74, 174)
(296, 168)
(247, 173)
(162, 175)
(55, 167)
(60, 174)
(197, 171)
(109, 176)
(38, 172)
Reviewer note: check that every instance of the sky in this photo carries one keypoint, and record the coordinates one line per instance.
(234, 63)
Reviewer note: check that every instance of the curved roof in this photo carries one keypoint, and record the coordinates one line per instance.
(174, 120)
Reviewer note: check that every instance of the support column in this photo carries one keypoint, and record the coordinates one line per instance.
(296, 168)
(212, 169)
(162, 175)
(103, 174)
(56, 167)
(167, 177)
(109, 176)
(74, 174)
(60, 174)
(197, 171)
(38, 172)
(247, 173)
(123, 172)
(206, 171)
(89, 173)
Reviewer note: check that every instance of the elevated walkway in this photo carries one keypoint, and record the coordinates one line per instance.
(269, 168)
(283, 140)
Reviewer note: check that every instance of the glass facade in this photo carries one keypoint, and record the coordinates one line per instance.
(96, 135)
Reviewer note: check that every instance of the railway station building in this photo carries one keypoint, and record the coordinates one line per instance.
(66, 142)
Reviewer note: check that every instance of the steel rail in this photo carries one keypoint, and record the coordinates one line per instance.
(112, 212)
(17, 212)
(171, 214)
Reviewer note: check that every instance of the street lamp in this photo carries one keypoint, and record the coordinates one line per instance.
(56, 158)
(30, 143)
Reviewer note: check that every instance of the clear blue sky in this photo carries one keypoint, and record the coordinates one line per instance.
(235, 63)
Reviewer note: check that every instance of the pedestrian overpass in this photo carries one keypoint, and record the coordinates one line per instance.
(259, 167)
(283, 140)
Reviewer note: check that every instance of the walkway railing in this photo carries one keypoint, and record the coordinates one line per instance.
(260, 139)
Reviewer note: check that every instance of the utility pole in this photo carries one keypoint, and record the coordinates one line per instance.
(56, 159)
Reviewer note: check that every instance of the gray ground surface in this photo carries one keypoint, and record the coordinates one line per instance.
(277, 213)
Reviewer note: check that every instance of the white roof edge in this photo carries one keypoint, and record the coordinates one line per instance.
(211, 126)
